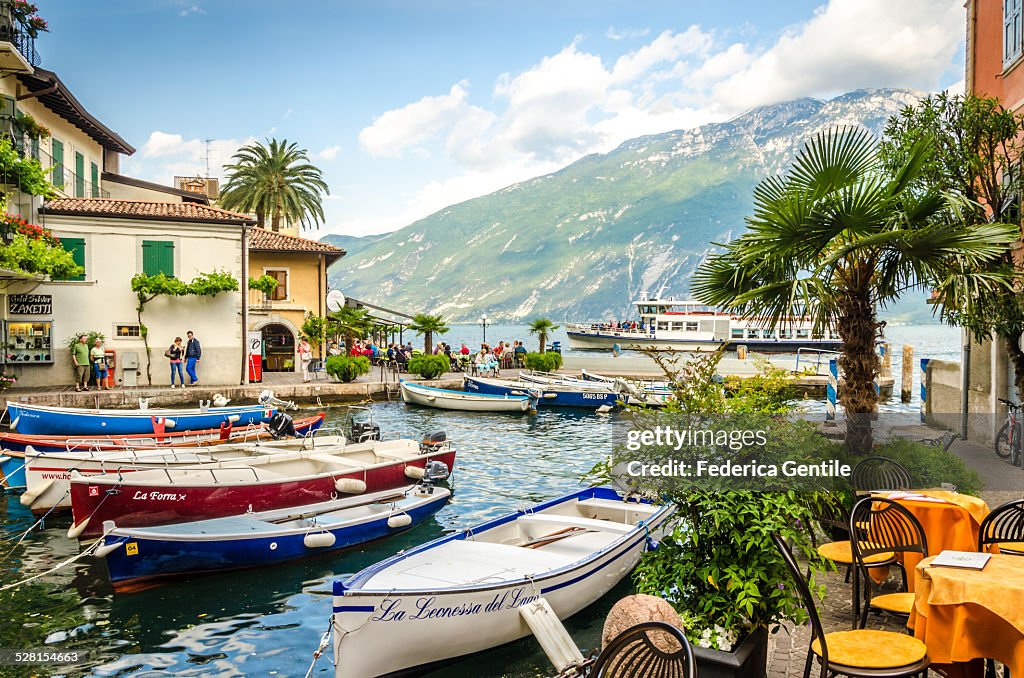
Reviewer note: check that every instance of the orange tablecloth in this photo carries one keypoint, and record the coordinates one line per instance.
(963, 614)
(950, 525)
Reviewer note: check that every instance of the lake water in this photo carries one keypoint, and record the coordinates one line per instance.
(267, 622)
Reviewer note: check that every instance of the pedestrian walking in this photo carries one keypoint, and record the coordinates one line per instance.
(193, 354)
(175, 352)
(98, 358)
(80, 358)
(305, 357)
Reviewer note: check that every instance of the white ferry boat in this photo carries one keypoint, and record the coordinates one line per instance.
(671, 325)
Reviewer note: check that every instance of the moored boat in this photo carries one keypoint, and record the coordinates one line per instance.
(137, 554)
(165, 496)
(463, 593)
(70, 421)
(445, 399)
(13, 445)
(560, 395)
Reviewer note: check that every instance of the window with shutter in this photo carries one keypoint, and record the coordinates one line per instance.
(280, 292)
(77, 248)
(94, 176)
(57, 150)
(158, 257)
(79, 175)
(1013, 31)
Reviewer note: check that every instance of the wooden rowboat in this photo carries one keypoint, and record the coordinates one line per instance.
(445, 399)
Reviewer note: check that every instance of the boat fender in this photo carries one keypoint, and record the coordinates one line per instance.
(350, 486)
(14, 424)
(399, 520)
(107, 549)
(550, 395)
(604, 409)
(4, 459)
(170, 423)
(414, 472)
(319, 540)
(29, 497)
(76, 530)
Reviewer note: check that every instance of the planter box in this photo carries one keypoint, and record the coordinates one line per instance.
(748, 660)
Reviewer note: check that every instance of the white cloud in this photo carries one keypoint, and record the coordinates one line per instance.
(191, 9)
(166, 155)
(626, 33)
(328, 153)
(403, 128)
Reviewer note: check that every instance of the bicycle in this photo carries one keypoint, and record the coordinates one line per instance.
(1008, 443)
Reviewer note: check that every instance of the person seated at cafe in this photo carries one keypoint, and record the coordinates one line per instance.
(333, 349)
(464, 350)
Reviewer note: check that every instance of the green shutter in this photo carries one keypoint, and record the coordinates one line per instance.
(158, 257)
(77, 248)
(58, 163)
(35, 148)
(79, 175)
(95, 176)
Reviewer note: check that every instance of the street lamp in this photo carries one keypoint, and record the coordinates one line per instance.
(484, 323)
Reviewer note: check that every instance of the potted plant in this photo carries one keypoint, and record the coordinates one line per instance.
(718, 566)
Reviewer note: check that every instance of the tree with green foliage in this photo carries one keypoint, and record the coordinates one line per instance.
(347, 368)
(977, 150)
(430, 366)
(275, 181)
(314, 328)
(350, 322)
(543, 328)
(149, 287)
(838, 236)
(265, 283)
(428, 325)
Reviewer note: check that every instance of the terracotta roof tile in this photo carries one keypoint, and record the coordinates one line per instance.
(265, 239)
(144, 209)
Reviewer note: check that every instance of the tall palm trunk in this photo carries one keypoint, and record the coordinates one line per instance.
(858, 328)
(543, 338)
(428, 342)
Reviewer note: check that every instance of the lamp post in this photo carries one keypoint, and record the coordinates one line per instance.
(484, 323)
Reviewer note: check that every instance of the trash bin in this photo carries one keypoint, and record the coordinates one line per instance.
(255, 368)
(111, 358)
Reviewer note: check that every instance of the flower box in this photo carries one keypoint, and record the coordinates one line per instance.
(749, 659)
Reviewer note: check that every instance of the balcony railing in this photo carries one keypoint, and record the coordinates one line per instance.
(259, 302)
(67, 181)
(14, 31)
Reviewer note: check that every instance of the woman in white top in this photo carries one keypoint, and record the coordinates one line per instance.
(305, 357)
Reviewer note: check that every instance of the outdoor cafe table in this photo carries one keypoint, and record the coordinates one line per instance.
(951, 522)
(963, 614)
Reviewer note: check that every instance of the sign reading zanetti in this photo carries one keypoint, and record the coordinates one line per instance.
(30, 304)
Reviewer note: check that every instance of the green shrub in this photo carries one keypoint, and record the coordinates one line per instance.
(931, 466)
(543, 362)
(430, 366)
(347, 368)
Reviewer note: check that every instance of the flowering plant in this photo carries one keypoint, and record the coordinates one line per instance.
(36, 25)
(7, 380)
(13, 223)
(22, 9)
(32, 128)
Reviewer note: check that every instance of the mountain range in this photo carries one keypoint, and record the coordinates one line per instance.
(584, 242)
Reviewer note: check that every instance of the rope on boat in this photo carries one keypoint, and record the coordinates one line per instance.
(87, 552)
(325, 640)
(34, 525)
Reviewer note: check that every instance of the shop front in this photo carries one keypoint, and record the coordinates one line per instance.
(28, 330)
(278, 348)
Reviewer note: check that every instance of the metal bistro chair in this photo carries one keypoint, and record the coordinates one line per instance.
(1004, 527)
(875, 474)
(892, 530)
(634, 654)
(316, 368)
(860, 653)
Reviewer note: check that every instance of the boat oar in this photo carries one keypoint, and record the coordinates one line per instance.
(557, 536)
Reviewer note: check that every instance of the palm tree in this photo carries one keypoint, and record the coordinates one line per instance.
(350, 322)
(426, 325)
(837, 237)
(542, 327)
(275, 180)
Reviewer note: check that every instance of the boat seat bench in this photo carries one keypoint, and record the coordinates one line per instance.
(618, 505)
(572, 521)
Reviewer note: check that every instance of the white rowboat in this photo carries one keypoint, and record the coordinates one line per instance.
(445, 399)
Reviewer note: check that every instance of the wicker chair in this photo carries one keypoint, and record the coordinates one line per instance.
(1004, 527)
(892, 530)
(860, 653)
(633, 654)
(875, 474)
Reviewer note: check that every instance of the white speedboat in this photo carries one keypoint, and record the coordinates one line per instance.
(463, 593)
(446, 399)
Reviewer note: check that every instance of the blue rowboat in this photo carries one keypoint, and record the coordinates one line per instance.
(70, 421)
(466, 592)
(558, 395)
(138, 554)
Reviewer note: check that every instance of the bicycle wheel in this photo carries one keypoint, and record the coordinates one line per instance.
(1002, 444)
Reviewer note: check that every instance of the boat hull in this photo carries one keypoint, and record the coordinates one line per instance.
(442, 625)
(461, 401)
(552, 395)
(632, 342)
(138, 557)
(137, 504)
(37, 420)
(12, 466)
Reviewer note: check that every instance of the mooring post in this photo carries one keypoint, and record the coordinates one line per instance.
(832, 390)
(907, 374)
(924, 389)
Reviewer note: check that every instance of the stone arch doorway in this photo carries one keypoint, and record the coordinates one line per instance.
(278, 348)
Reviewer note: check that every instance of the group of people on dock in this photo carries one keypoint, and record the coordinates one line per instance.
(487, 360)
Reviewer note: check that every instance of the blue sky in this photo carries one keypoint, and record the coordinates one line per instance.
(411, 106)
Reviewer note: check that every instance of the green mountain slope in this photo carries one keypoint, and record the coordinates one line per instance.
(584, 242)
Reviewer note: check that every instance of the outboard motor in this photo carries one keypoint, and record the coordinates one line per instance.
(435, 471)
(363, 431)
(281, 426)
(433, 441)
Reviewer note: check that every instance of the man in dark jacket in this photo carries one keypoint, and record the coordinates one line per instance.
(193, 352)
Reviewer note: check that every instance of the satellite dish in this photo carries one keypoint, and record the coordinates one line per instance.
(335, 300)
